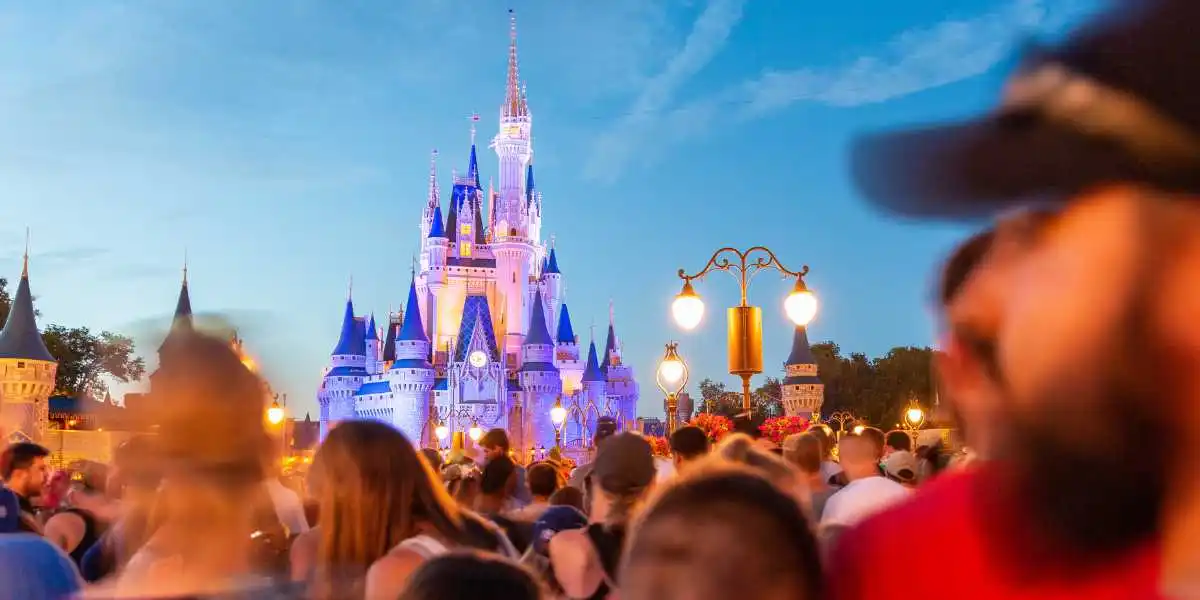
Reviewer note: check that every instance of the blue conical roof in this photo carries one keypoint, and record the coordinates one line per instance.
(181, 323)
(372, 330)
(412, 330)
(20, 337)
(801, 351)
(552, 263)
(437, 229)
(346, 341)
(566, 334)
(592, 371)
(529, 186)
(473, 167)
(610, 344)
(538, 333)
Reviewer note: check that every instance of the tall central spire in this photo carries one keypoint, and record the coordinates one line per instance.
(435, 196)
(514, 96)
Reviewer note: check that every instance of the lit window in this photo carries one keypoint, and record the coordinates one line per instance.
(465, 229)
(464, 249)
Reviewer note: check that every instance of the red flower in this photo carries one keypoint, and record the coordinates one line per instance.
(660, 445)
(714, 426)
(777, 429)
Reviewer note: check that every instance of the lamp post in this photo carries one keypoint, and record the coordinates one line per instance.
(843, 417)
(440, 433)
(671, 377)
(475, 432)
(745, 321)
(914, 419)
(558, 416)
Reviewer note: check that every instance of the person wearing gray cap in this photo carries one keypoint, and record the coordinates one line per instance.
(585, 561)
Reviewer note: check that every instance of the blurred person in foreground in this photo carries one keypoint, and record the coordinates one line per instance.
(133, 483)
(584, 562)
(741, 449)
(720, 531)
(382, 514)
(1093, 490)
(803, 451)
(688, 444)
(84, 513)
(542, 479)
(830, 469)
(213, 527)
(24, 472)
(471, 576)
(606, 427)
(496, 446)
(32, 568)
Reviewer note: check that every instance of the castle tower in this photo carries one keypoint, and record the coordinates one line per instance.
(27, 368)
(595, 387)
(433, 202)
(373, 348)
(566, 353)
(622, 389)
(347, 369)
(514, 148)
(803, 392)
(389, 338)
(552, 277)
(433, 276)
(182, 324)
(412, 376)
(538, 378)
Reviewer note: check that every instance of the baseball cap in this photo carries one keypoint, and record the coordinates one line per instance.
(1115, 103)
(901, 465)
(552, 521)
(10, 511)
(624, 463)
(605, 428)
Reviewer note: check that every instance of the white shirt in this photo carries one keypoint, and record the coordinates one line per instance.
(829, 469)
(288, 507)
(860, 499)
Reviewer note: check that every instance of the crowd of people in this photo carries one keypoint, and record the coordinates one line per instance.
(1068, 351)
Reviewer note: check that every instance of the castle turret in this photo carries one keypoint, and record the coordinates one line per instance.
(552, 278)
(803, 392)
(412, 376)
(622, 388)
(433, 202)
(595, 386)
(389, 338)
(347, 370)
(373, 348)
(514, 148)
(566, 353)
(538, 376)
(27, 368)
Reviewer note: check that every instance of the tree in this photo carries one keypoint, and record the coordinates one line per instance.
(85, 359)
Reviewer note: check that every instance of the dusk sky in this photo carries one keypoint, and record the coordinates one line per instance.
(284, 145)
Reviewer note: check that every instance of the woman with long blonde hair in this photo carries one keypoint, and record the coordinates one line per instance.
(383, 512)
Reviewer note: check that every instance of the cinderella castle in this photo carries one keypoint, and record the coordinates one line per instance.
(485, 338)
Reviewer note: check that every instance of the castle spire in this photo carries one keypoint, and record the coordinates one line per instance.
(538, 333)
(346, 341)
(181, 322)
(514, 94)
(25, 258)
(566, 334)
(610, 343)
(434, 193)
(473, 163)
(20, 337)
(412, 330)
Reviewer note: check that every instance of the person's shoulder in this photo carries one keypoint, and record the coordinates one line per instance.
(940, 509)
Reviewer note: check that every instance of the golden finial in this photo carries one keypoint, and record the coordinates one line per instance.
(474, 120)
(25, 259)
(185, 266)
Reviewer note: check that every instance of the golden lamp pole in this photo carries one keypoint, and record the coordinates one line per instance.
(671, 377)
(745, 321)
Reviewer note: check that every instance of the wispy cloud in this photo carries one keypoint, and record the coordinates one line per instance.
(912, 61)
(707, 38)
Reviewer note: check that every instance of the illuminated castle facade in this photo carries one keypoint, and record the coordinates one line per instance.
(27, 369)
(485, 336)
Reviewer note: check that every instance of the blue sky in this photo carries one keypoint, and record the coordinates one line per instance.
(285, 145)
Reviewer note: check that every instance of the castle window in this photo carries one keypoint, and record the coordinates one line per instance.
(465, 229)
(464, 249)
(20, 365)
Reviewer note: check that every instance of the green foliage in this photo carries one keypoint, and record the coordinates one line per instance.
(85, 360)
(877, 389)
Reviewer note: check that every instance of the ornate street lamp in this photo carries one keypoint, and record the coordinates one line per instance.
(558, 416)
(914, 419)
(441, 432)
(275, 413)
(671, 377)
(475, 432)
(745, 321)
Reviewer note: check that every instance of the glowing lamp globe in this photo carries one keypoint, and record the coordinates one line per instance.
(475, 432)
(914, 415)
(671, 370)
(688, 308)
(858, 429)
(275, 414)
(558, 414)
(800, 305)
(441, 432)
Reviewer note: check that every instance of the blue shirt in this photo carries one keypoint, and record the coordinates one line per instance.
(10, 511)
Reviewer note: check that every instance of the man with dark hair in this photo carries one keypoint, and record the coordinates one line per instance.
(543, 482)
(687, 445)
(1095, 327)
(23, 469)
(495, 446)
(897, 441)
